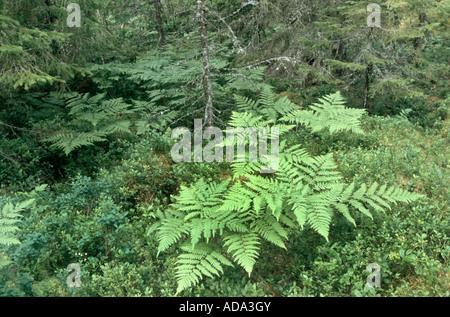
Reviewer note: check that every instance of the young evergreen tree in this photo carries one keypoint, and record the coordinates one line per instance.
(39, 48)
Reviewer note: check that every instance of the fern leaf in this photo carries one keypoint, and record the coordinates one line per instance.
(244, 248)
(197, 262)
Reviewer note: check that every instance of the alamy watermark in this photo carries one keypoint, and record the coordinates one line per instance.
(374, 279)
(74, 18)
(374, 18)
(74, 279)
(182, 151)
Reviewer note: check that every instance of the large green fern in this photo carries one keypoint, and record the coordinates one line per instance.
(227, 221)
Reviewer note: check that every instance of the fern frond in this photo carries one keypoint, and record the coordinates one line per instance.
(269, 105)
(69, 142)
(9, 220)
(328, 114)
(170, 231)
(320, 214)
(244, 248)
(202, 260)
(378, 198)
(271, 230)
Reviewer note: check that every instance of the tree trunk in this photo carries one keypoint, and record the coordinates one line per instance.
(367, 74)
(159, 21)
(367, 85)
(207, 86)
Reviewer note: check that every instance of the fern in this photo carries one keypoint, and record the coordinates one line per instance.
(233, 217)
(244, 248)
(9, 219)
(270, 228)
(93, 118)
(329, 114)
(197, 262)
(69, 142)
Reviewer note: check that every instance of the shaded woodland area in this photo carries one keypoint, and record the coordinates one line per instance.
(356, 114)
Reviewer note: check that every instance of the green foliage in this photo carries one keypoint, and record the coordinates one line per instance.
(171, 79)
(330, 114)
(23, 67)
(198, 261)
(39, 49)
(15, 285)
(236, 214)
(268, 105)
(100, 118)
(89, 111)
(405, 243)
(9, 219)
